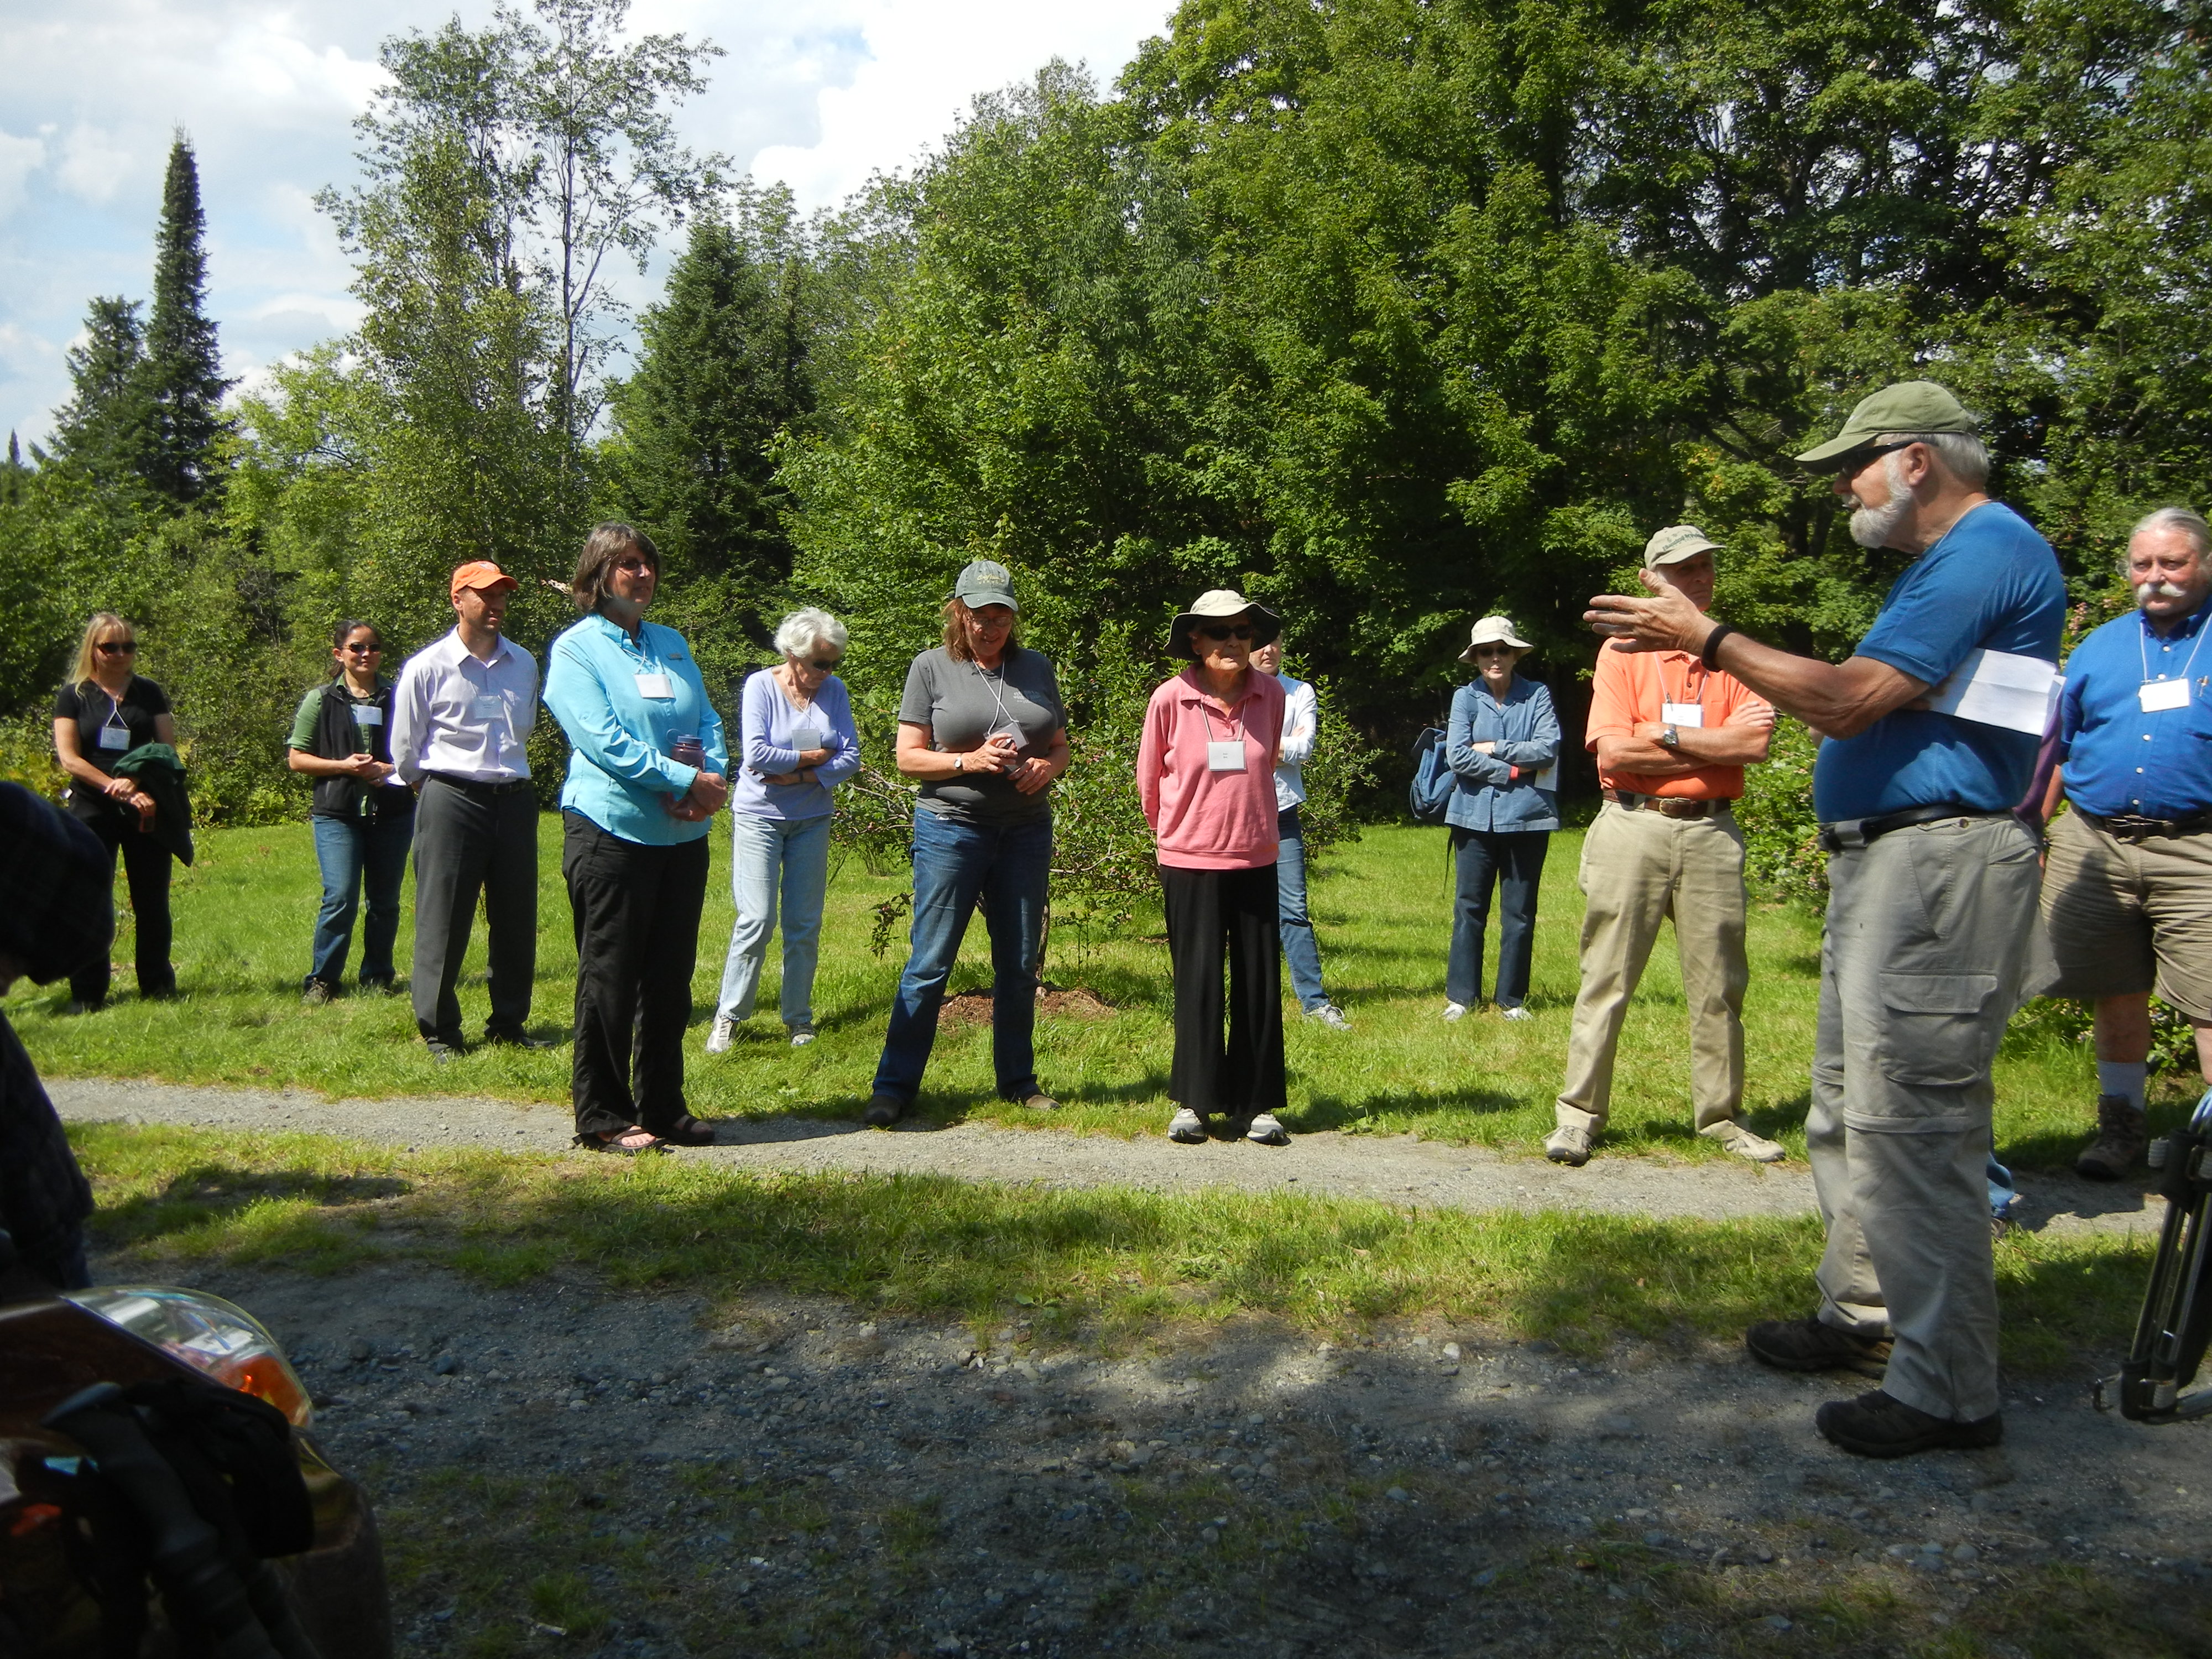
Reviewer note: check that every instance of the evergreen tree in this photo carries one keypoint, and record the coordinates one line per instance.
(104, 432)
(723, 370)
(183, 369)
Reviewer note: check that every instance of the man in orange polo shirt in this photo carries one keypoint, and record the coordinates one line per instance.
(1672, 739)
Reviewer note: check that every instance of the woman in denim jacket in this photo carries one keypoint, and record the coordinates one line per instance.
(1503, 746)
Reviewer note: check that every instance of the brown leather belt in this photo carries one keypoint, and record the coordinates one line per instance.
(1670, 806)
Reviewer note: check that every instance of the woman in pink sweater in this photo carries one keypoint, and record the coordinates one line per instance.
(1205, 773)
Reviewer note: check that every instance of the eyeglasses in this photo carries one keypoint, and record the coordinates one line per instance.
(362, 650)
(110, 648)
(1851, 465)
(1243, 633)
(633, 566)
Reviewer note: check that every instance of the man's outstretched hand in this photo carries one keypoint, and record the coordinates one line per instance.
(1663, 620)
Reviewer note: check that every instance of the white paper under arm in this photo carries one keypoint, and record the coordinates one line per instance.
(2001, 688)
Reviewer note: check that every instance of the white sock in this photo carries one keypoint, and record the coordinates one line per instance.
(2117, 1076)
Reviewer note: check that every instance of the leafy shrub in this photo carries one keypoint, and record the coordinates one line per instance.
(1782, 855)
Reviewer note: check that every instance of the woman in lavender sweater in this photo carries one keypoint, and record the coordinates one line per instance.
(799, 744)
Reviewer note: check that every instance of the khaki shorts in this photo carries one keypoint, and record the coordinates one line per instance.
(2125, 917)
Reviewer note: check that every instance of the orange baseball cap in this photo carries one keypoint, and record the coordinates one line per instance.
(481, 573)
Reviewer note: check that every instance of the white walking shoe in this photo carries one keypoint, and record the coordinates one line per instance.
(1330, 1015)
(1186, 1126)
(1567, 1145)
(1455, 1011)
(721, 1034)
(1740, 1140)
(800, 1035)
(1517, 1012)
(1264, 1131)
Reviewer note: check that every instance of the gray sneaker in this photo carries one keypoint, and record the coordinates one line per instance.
(1567, 1145)
(801, 1034)
(1186, 1126)
(1330, 1015)
(1265, 1131)
(318, 992)
(1455, 1011)
(1517, 1012)
(1743, 1143)
(721, 1034)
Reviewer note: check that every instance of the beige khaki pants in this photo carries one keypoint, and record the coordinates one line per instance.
(1639, 869)
(1920, 968)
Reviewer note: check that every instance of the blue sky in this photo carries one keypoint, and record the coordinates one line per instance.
(817, 93)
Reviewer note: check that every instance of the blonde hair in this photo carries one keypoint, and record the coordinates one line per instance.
(103, 623)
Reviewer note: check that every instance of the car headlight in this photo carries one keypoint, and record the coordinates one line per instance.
(208, 1334)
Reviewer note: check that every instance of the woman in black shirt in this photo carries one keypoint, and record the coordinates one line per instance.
(103, 713)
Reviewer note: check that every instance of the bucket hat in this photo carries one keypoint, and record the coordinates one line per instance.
(1220, 605)
(1908, 406)
(986, 581)
(1492, 630)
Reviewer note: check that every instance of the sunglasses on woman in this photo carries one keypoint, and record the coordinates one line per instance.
(1493, 650)
(822, 665)
(363, 650)
(111, 648)
(1245, 633)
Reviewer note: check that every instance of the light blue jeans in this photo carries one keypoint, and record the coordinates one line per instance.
(1299, 948)
(767, 855)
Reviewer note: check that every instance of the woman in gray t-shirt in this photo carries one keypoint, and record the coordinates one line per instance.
(981, 726)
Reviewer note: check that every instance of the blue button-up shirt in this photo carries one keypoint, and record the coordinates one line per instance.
(1526, 732)
(620, 773)
(2120, 759)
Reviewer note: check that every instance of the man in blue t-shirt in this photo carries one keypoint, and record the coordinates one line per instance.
(2127, 892)
(1932, 892)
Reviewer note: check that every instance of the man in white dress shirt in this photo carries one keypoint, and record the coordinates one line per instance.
(461, 712)
(1301, 726)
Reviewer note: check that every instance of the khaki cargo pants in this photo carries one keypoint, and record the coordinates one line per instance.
(1921, 967)
(1639, 869)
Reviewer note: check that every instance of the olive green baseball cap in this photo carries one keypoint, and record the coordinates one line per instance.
(1676, 543)
(1908, 406)
(986, 581)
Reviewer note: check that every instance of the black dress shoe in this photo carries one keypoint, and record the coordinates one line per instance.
(883, 1110)
(518, 1039)
(443, 1052)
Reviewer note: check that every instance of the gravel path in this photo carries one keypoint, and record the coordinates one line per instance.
(1399, 1169)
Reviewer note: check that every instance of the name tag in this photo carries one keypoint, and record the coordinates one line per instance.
(488, 708)
(114, 736)
(803, 741)
(2155, 695)
(367, 714)
(1227, 756)
(1682, 714)
(655, 685)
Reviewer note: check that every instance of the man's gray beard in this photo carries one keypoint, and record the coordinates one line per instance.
(1872, 526)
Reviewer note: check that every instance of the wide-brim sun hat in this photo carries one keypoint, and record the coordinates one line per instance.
(1222, 605)
(1908, 406)
(986, 581)
(1494, 630)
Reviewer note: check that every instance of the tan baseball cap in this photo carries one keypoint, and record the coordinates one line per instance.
(1908, 406)
(1676, 543)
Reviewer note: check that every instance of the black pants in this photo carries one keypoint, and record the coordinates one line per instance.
(636, 913)
(146, 867)
(469, 841)
(1213, 915)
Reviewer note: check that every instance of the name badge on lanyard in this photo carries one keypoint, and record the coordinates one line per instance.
(2157, 695)
(1226, 757)
(115, 737)
(655, 685)
(1683, 713)
(804, 740)
(488, 705)
(367, 714)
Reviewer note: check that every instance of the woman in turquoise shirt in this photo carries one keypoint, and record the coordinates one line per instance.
(634, 843)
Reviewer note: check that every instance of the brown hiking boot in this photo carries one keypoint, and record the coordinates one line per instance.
(1814, 1344)
(2121, 1139)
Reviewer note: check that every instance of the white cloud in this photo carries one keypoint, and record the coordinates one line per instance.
(820, 92)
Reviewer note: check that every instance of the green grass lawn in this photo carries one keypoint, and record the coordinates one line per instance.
(246, 912)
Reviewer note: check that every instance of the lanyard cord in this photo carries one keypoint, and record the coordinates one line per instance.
(2142, 650)
(1703, 680)
(1205, 709)
(996, 687)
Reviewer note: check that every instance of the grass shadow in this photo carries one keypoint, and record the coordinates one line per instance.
(1323, 1111)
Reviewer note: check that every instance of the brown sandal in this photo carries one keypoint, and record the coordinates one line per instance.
(611, 1141)
(689, 1130)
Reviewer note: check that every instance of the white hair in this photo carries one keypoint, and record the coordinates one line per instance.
(1963, 455)
(2188, 522)
(803, 631)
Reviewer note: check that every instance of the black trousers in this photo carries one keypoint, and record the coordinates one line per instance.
(636, 915)
(1213, 916)
(146, 868)
(469, 841)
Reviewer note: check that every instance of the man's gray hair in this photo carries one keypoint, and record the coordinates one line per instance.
(1963, 455)
(2188, 521)
(803, 631)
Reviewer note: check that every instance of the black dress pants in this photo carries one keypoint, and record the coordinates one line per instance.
(146, 868)
(636, 913)
(472, 838)
(1215, 915)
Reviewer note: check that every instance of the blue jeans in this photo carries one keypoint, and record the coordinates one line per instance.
(955, 865)
(355, 854)
(1515, 862)
(1295, 926)
(767, 855)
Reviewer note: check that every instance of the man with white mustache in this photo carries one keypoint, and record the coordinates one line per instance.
(2127, 888)
(1932, 894)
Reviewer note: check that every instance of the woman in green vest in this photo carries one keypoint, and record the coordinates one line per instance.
(364, 816)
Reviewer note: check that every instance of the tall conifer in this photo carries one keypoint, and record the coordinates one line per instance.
(106, 431)
(183, 369)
